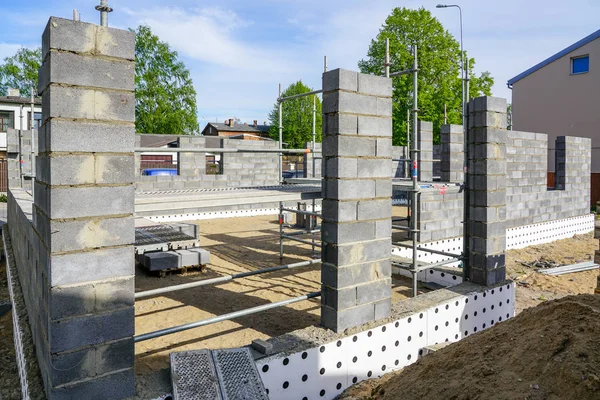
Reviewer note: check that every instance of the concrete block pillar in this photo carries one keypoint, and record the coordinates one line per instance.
(486, 179)
(13, 158)
(573, 163)
(357, 208)
(425, 146)
(453, 153)
(83, 211)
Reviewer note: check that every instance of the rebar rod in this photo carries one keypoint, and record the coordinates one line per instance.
(311, 213)
(280, 137)
(226, 278)
(413, 156)
(282, 99)
(218, 150)
(295, 239)
(224, 317)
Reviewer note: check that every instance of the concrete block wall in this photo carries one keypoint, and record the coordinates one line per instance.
(425, 154)
(308, 160)
(356, 227)
(486, 182)
(13, 158)
(74, 245)
(528, 199)
(238, 169)
(452, 153)
(441, 213)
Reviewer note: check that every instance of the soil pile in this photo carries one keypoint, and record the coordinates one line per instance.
(551, 351)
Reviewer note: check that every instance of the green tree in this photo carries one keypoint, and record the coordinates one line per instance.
(297, 117)
(165, 98)
(21, 71)
(439, 61)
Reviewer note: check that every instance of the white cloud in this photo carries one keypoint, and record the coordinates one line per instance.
(8, 49)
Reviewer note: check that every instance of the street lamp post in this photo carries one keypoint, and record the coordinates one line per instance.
(462, 64)
(465, 94)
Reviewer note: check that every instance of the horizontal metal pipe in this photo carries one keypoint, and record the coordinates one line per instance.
(220, 279)
(402, 228)
(300, 240)
(300, 233)
(443, 253)
(404, 72)
(282, 99)
(220, 150)
(314, 214)
(425, 266)
(224, 317)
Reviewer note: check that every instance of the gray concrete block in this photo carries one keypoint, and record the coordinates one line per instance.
(77, 202)
(346, 276)
(339, 211)
(342, 167)
(340, 79)
(344, 146)
(81, 37)
(352, 103)
(374, 209)
(357, 253)
(118, 385)
(375, 85)
(91, 104)
(338, 233)
(91, 330)
(262, 346)
(374, 126)
(73, 268)
(204, 255)
(162, 260)
(349, 189)
(77, 70)
(374, 168)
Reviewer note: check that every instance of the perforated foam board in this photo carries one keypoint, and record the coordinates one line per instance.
(516, 238)
(325, 371)
(222, 214)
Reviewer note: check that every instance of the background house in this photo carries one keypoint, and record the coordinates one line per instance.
(560, 96)
(237, 131)
(15, 113)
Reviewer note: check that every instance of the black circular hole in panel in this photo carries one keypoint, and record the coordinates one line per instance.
(286, 361)
(322, 393)
(322, 371)
(354, 359)
(304, 355)
(286, 384)
(304, 378)
(370, 353)
(339, 343)
(322, 349)
(339, 364)
(338, 386)
(265, 368)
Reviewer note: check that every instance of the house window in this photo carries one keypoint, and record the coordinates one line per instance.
(7, 120)
(37, 116)
(580, 65)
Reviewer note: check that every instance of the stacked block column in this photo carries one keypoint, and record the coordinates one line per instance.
(425, 155)
(453, 153)
(486, 179)
(83, 211)
(356, 228)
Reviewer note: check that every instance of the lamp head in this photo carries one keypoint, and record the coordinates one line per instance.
(441, 6)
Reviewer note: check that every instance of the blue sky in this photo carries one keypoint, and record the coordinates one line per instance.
(238, 51)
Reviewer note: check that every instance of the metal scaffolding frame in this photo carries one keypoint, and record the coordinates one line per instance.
(312, 230)
(280, 101)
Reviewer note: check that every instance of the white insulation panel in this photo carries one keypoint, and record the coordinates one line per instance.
(325, 371)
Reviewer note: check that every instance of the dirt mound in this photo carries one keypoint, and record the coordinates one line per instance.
(551, 351)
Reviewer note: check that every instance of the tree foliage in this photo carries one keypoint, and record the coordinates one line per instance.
(21, 71)
(297, 117)
(165, 98)
(439, 62)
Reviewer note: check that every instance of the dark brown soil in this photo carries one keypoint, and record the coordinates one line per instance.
(551, 351)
